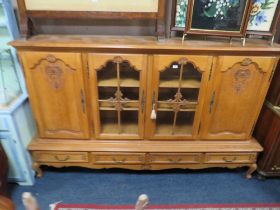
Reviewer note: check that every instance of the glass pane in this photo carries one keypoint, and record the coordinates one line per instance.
(182, 126)
(107, 76)
(184, 123)
(128, 122)
(9, 83)
(109, 122)
(129, 76)
(164, 123)
(170, 77)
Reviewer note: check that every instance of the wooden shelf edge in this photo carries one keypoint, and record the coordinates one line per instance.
(250, 145)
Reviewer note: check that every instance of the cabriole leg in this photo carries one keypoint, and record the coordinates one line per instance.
(251, 170)
(36, 168)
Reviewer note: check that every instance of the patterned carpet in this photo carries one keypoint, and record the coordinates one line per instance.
(173, 207)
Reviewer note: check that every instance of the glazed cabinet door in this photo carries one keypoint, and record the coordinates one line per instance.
(235, 96)
(176, 94)
(56, 89)
(118, 91)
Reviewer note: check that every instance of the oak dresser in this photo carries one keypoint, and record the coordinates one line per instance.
(142, 104)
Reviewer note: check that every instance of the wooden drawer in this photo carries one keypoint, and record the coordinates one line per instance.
(230, 157)
(175, 158)
(118, 158)
(61, 156)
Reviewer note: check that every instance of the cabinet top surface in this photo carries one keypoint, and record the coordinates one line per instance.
(134, 44)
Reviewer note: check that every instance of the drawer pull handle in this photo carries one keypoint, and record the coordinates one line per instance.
(229, 161)
(175, 161)
(62, 160)
(119, 161)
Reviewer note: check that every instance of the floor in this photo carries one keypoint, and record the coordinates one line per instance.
(73, 185)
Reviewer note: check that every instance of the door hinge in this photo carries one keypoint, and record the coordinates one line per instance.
(87, 69)
(211, 69)
(212, 102)
(143, 101)
(199, 126)
(83, 101)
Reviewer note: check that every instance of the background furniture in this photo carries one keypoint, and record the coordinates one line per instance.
(5, 203)
(16, 125)
(3, 171)
(104, 89)
(268, 130)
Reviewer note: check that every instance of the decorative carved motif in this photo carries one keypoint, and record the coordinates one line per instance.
(240, 77)
(246, 62)
(53, 70)
(54, 75)
(118, 100)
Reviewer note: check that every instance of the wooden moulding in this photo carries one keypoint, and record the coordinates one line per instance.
(146, 45)
(144, 155)
(27, 16)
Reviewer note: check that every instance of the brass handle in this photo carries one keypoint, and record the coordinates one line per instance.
(83, 101)
(212, 102)
(175, 161)
(229, 161)
(153, 113)
(119, 161)
(62, 160)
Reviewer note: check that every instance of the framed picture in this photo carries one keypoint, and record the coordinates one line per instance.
(218, 17)
(179, 13)
(264, 17)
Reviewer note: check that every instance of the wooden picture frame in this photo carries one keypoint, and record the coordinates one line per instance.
(27, 17)
(174, 11)
(273, 27)
(214, 32)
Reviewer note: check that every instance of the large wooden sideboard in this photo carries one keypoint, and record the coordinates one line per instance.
(136, 103)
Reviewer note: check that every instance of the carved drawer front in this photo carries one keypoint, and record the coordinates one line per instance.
(175, 158)
(230, 157)
(61, 156)
(118, 158)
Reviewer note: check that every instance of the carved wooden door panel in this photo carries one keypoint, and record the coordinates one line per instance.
(176, 96)
(118, 91)
(56, 89)
(235, 96)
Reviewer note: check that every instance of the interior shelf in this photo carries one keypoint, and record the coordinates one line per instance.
(112, 82)
(113, 109)
(190, 83)
(181, 110)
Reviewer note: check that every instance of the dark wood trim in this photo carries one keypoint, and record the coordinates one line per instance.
(90, 15)
(160, 27)
(241, 33)
(23, 21)
(273, 27)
